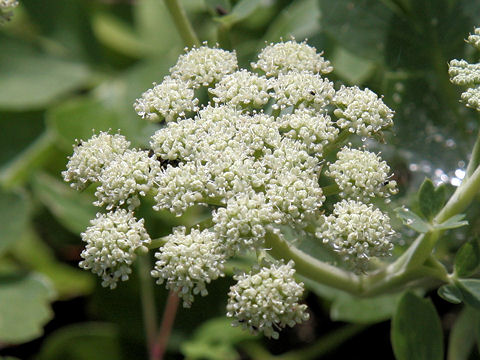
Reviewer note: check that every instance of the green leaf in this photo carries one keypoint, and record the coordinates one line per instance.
(118, 35)
(215, 340)
(87, 341)
(412, 220)
(14, 214)
(73, 209)
(431, 199)
(300, 19)
(242, 10)
(24, 306)
(467, 259)
(78, 119)
(470, 289)
(450, 293)
(352, 68)
(462, 335)
(360, 26)
(68, 281)
(32, 81)
(364, 311)
(416, 330)
(454, 222)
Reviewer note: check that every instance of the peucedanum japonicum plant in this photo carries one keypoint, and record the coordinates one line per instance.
(271, 149)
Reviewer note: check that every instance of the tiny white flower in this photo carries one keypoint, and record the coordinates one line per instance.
(188, 262)
(267, 300)
(361, 111)
(166, 101)
(361, 175)
(90, 157)
(112, 241)
(474, 39)
(357, 232)
(288, 56)
(204, 66)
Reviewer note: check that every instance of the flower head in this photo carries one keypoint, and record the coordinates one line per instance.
(125, 177)
(267, 300)
(242, 88)
(361, 175)
(204, 66)
(90, 157)
(187, 262)
(112, 240)
(474, 39)
(288, 56)
(361, 111)
(357, 232)
(166, 101)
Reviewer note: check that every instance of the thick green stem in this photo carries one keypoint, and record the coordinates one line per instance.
(148, 304)
(312, 268)
(182, 23)
(474, 158)
(461, 198)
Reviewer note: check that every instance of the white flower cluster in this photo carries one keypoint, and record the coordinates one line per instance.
(187, 262)
(357, 231)
(267, 300)
(90, 157)
(112, 241)
(166, 101)
(361, 111)
(257, 155)
(465, 74)
(290, 56)
(361, 175)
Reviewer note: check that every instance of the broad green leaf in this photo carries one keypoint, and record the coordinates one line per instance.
(450, 293)
(360, 26)
(87, 341)
(19, 169)
(431, 199)
(68, 281)
(242, 10)
(416, 330)
(32, 81)
(118, 35)
(215, 340)
(364, 311)
(467, 259)
(301, 19)
(462, 335)
(412, 220)
(78, 119)
(73, 209)
(454, 222)
(24, 306)
(14, 214)
(350, 67)
(470, 289)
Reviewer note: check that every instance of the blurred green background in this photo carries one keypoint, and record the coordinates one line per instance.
(67, 67)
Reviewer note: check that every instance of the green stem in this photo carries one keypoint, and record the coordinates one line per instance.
(18, 171)
(344, 135)
(474, 159)
(168, 319)
(148, 303)
(182, 23)
(312, 268)
(461, 198)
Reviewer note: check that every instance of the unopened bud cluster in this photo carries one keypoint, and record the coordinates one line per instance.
(255, 155)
